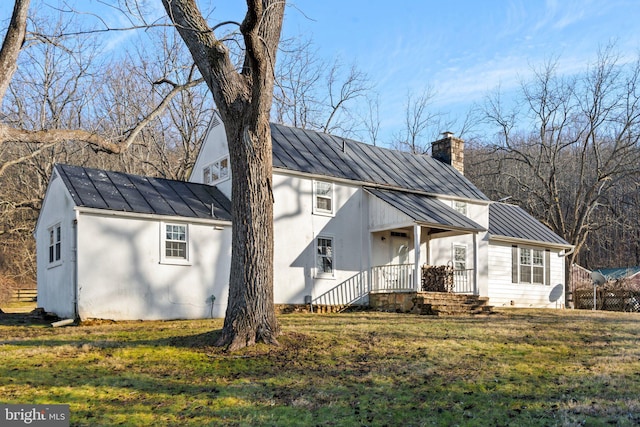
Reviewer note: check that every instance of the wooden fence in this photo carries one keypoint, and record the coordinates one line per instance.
(24, 295)
(609, 300)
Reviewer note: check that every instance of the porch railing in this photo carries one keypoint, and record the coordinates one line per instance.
(393, 277)
(352, 291)
(383, 278)
(463, 281)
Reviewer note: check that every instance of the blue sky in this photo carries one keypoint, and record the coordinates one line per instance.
(463, 49)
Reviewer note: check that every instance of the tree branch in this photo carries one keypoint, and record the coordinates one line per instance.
(13, 41)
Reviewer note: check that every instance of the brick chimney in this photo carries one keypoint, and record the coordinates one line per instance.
(449, 150)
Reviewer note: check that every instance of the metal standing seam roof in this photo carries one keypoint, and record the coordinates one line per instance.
(619, 272)
(319, 153)
(512, 221)
(426, 210)
(117, 191)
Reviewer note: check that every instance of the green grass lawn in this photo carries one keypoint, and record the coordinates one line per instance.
(513, 368)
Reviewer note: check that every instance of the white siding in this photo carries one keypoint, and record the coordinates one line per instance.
(213, 148)
(504, 293)
(55, 283)
(120, 275)
(296, 228)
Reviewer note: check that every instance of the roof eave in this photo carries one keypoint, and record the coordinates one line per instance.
(451, 227)
(377, 185)
(138, 215)
(518, 240)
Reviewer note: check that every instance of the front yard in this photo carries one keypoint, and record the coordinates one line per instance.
(516, 367)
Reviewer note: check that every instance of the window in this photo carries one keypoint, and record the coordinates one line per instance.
(460, 207)
(532, 267)
(216, 172)
(322, 197)
(175, 244)
(459, 257)
(55, 244)
(324, 257)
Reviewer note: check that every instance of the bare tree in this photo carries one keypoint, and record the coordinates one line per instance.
(585, 145)
(46, 138)
(298, 74)
(421, 124)
(371, 119)
(244, 100)
(152, 98)
(311, 93)
(342, 90)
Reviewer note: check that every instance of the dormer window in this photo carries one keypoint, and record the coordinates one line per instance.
(460, 207)
(216, 172)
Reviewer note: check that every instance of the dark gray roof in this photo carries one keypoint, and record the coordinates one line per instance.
(512, 221)
(323, 154)
(116, 191)
(426, 210)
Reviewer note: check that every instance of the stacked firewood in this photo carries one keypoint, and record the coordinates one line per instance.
(437, 278)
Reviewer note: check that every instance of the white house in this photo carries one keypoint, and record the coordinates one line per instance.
(349, 219)
(117, 246)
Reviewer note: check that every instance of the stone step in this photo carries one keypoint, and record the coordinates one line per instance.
(447, 302)
(442, 301)
(450, 304)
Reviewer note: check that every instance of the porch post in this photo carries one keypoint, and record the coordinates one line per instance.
(476, 273)
(416, 251)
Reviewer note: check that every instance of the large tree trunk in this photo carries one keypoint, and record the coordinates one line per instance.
(250, 313)
(244, 100)
(13, 41)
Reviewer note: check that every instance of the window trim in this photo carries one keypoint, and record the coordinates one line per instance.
(164, 259)
(453, 255)
(516, 265)
(316, 255)
(331, 198)
(461, 207)
(54, 249)
(215, 165)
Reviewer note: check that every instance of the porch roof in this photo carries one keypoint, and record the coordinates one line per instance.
(426, 210)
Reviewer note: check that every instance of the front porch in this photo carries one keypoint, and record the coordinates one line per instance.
(417, 244)
(442, 290)
(401, 278)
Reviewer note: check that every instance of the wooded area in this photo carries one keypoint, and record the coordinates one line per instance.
(569, 153)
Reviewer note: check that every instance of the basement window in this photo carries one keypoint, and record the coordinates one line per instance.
(175, 244)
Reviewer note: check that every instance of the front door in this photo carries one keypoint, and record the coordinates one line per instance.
(399, 249)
